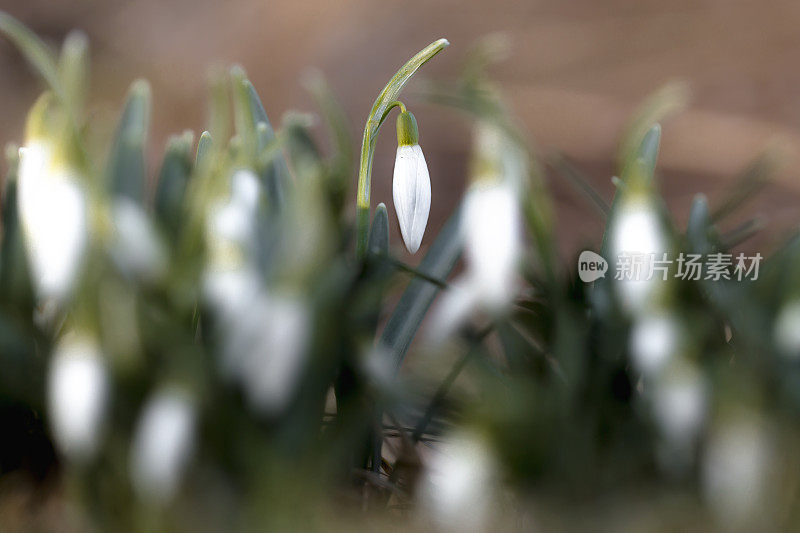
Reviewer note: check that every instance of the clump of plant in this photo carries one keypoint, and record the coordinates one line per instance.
(224, 348)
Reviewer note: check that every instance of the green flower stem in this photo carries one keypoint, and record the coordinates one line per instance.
(387, 99)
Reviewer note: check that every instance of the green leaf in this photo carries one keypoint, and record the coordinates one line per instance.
(14, 276)
(204, 146)
(565, 168)
(172, 182)
(73, 69)
(659, 106)
(699, 229)
(244, 117)
(379, 233)
(419, 295)
(34, 50)
(126, 164)
(336, 119)
(303, 151)
(276, 172)
(752, 181)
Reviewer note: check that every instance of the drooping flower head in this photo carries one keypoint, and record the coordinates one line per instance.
(491, 230)
(52, 203)
(411, 186)
(163, 444)
(77, 395)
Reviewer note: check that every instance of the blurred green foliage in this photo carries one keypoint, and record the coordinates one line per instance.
(549, 382)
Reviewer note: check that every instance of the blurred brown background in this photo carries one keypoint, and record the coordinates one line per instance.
(576, 71)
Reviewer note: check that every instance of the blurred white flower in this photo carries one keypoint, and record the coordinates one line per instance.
(52, 208)
(263, 336)
(274, 333)
(411, 190)
(457, 487)
(735, 471)
(231, 224)
(492, 232)
(654, 338)
(637, 231)
(680, 403)
(163, 444)
(787, 330)
(77, 393)
(491, 229)
(137, 249)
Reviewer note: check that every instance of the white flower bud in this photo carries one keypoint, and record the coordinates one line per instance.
(411, 190)
(637, 231)
(163, 445)
(411, 185)
(52, 208)
(77, 395)
(456, 488)
(653, 341)
(492, 232)
(137, 249)
(787, 330)
(679, 404)
(735, 471)
(275, 331)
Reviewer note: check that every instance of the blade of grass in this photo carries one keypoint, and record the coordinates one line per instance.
(754, 178)
(565, 168)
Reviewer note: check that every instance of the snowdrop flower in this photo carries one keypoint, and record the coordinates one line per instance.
(455, 489)
(637, 232)
(77, 391)
(735, 470)
(163, 444)
(654, 339)
(411, 185)
(137, 248)
(492, 233)
(275, 333)
(787, 330)
(491, 230)
(679, 404)
(230, 227)
(52, 208)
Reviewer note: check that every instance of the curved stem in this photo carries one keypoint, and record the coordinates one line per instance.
(396, 103)
(386, 100)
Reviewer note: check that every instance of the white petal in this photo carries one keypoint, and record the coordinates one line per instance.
(137, 248)
(411, 190)
(52, 208)
(456, 489)
(491, 228)
(453, 308)
(637, 232)
(77, 393)
(680, 404)
(787, 330)
(735, 471)
(654, 339)
(277, 328)
(162, 445)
